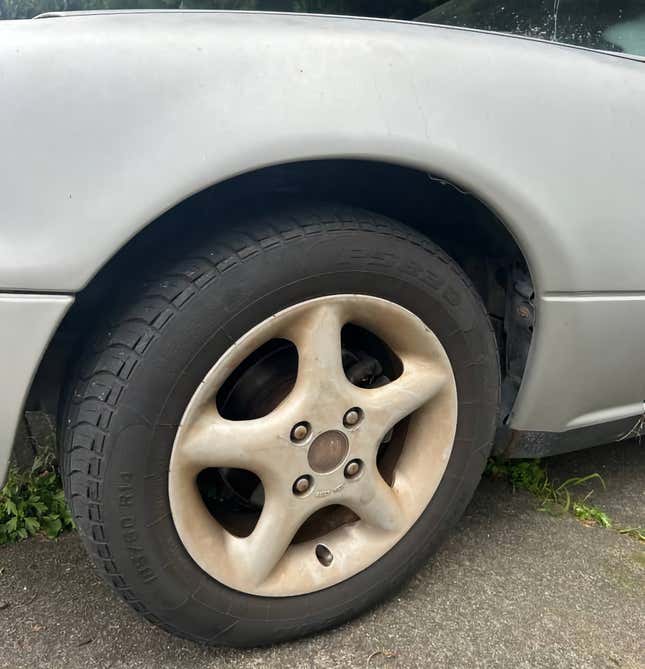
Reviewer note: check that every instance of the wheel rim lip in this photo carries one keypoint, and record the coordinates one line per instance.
(202, 545)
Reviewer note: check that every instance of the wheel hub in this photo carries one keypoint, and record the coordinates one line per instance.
(328, 451)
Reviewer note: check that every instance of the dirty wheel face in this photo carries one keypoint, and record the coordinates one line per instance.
(342, 461)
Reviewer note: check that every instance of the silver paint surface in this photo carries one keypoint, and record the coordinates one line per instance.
(109, 120)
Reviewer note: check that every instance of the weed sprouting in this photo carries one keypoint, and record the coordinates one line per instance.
(32, 502)
(560, 499)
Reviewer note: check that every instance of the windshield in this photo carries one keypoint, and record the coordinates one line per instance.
(608, 25)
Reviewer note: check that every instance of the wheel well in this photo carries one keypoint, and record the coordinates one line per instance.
(464, 226)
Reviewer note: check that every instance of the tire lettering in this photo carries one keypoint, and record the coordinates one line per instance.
(128, 531)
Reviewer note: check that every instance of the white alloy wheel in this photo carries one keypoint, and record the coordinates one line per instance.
(318, 449)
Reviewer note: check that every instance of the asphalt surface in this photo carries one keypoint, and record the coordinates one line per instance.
(512, 587)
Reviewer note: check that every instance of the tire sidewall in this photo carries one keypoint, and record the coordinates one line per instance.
(146, 560)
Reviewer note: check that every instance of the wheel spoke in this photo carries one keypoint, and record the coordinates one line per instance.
(377, 504)
(256, 556)
(389, 404)
(212, 441)
(316, 334)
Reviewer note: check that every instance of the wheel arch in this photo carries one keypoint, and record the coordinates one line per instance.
(450, 211)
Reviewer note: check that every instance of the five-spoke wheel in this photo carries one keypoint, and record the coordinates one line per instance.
(318, 448)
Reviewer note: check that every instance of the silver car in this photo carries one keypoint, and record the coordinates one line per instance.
(288, 280)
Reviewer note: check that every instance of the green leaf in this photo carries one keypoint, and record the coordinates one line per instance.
(10, 507)
(40, 507)
(53, 527)
(32, 525)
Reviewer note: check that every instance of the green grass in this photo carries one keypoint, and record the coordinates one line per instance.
(634, 532)
(591, 514)
(33, 502)
(532, 475)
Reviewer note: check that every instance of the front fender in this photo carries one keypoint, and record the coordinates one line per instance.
(108, 121)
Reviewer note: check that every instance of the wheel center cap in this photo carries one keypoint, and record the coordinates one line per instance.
(327, 451)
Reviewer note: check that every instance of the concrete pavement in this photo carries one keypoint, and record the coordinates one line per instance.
(512, 587)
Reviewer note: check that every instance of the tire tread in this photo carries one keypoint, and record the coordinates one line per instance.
(140, 316)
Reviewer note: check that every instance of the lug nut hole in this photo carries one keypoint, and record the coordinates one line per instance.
(353, 417)
(302, 485)
(324, 555)
(353, 469)
(300, 432)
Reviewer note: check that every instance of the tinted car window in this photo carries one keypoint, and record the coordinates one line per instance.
(598, 24)
(395, 9)
(612, 25)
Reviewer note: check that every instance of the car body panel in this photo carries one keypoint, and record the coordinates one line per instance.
(127, 114)
(109, 120)
(27, 323)
(585, 365)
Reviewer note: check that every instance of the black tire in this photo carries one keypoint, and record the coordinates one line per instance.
(139, 372)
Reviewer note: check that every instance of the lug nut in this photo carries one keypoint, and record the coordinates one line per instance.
(353, 469)
(300, 432)
(352, 417)
(302, 485)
